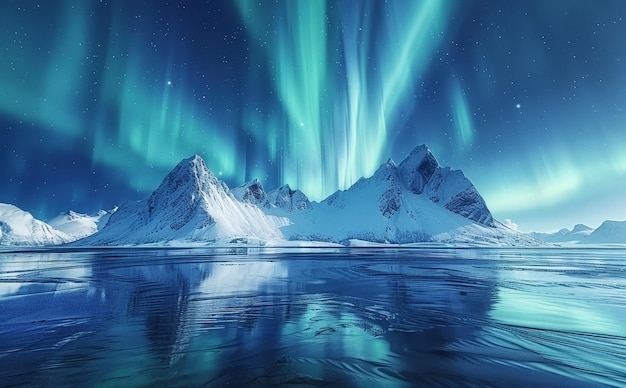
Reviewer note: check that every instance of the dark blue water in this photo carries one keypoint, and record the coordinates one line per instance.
(339, 317)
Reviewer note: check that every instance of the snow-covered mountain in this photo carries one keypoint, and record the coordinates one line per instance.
(283, 197)
(286, 198)
(421, 174)
(610, 232)
(77, 225)
(578, 234)
(190, 205)
(415, 201)
(252, 193)
(20, 228)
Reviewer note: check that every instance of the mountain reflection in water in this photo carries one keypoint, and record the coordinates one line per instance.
(327, 317)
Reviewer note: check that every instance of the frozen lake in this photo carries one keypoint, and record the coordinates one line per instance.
(324, 317)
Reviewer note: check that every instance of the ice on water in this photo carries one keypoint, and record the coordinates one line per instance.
(319, 317)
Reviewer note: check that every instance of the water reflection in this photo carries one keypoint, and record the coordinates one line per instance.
(25, 273)
(567, 310)
(339, 318)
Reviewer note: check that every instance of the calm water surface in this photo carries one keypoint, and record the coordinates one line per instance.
(326, 317)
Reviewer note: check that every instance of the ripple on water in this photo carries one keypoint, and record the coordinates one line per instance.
(376, 318)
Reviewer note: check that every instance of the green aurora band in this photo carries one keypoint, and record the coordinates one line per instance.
(316, 94)
(335, 125)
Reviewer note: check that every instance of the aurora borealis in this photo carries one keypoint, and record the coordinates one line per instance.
(100, 99)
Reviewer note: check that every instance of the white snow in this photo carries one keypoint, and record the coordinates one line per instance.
(385, 208)
(77, 225)
(610, 232)
(190, 205)
(416, 202)
(19, 228)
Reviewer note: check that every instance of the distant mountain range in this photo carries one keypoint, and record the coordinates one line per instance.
(417, 201)
(610, 232)
(578, 233)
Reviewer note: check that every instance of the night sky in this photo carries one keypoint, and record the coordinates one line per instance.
(100, 99)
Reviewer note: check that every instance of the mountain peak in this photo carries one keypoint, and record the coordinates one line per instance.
(421, 173)
(251, 192)
(416, 200)
(581, 228)
(185, 188)
(195, 158)
(190, 204)
(190, 170)
(286, 198)
(421, 149)
(608, 232)
(386, 171)
(71, 214)
(563, 231)
(417, 168)
(193, 164)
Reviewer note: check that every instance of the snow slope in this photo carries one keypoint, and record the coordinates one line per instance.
(417, 201)
(77, 225)
(20, 228)
(190, 205)
(610, 232)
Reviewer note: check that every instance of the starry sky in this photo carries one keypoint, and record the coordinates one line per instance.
(100, 99)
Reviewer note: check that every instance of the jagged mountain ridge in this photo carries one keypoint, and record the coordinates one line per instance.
(190, 205)
(283, 197)
(286, 198)
(421, 173)
(417, 201)
(252, 192)
(578, 234)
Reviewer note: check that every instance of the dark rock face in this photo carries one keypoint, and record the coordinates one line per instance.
(286, 198)
(256, 194)
(389, 203)
(418, 178)
(417, 169)
(179, 195)
(252, 193)
(471, 205)
(421, 174)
